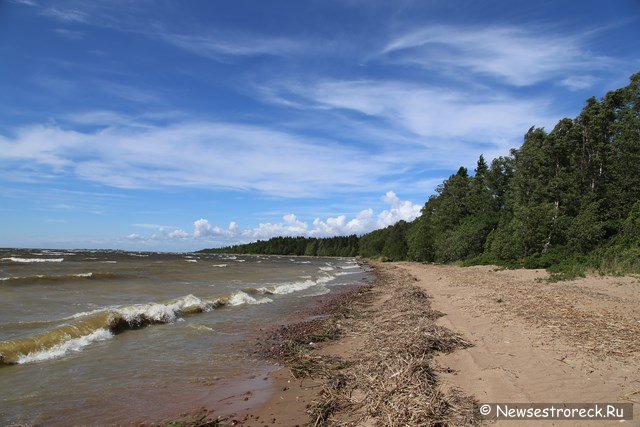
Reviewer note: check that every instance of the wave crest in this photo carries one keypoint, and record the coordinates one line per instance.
(24, 260)
(57, 278)
(87, 327)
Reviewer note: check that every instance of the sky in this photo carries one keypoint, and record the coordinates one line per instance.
(174, 126)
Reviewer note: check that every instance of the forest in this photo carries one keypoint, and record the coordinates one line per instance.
(567, 200)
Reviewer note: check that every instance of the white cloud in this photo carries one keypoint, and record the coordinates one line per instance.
(25, 2)
(178, 234)
(578, 82)
(204, 233)
(66, 15)
(142, 154)
(217, 45)
(446, 123)
(399, 210)
(364, 222)
(220, 45)
(514, 55)
(203, 228)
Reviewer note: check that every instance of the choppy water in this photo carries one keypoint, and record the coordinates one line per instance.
(100, 337)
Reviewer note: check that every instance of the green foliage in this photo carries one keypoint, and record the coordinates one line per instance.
(420, 241)
(587, 229)
(343, 246)
(566, 200)
(395, 246)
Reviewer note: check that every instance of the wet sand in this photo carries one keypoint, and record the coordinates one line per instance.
(531, 341)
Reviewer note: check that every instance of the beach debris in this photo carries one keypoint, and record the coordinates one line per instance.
(391, 378)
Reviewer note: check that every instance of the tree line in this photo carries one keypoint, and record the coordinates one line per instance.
(567, 200)
(344, 246)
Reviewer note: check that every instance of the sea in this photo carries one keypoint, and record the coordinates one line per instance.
(94, 337)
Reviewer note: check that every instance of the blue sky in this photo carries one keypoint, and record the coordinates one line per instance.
(160, 125)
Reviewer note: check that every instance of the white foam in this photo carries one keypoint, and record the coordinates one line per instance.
(325, 279)
(326, 269)
(288, 288)
(191, 260)
(85, 313)
(320, 291)
(75, 344)
(240, 298)
(14, 259)
(219, 265)
(346, 273)
(163, 313)
(109, 262)
(43, 276)
(37, 276)
(199, 327)
(83, 275)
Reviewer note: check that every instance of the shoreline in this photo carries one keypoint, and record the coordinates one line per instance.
(325, 358)
(473, 334)
(244, 396)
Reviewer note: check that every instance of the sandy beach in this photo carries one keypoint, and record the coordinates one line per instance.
(427, 343)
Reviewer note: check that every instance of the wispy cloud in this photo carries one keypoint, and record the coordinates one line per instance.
(70, 34)
(130, 93)
(443, 123)
(194, 154)
(516, 56)
(220, 45)
(214, 44)
(578, 82)
(155, 226)
(66, 15)
(24, 2)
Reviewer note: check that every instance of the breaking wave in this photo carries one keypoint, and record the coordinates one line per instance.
(74, 344)
(240, 298)
(288, 288)
(346, 273)
(24, 260)
(87, 327)
(38, 278)
(73, 333)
